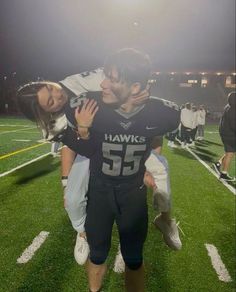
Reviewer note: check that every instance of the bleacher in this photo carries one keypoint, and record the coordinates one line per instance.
(213, 96)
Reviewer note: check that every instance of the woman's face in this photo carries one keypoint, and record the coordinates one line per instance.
(52, 97)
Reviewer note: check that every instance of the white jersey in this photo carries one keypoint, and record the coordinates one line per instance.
(201, 117)
(186, 118)
(84, 82)
(78, 84)
(195, 120)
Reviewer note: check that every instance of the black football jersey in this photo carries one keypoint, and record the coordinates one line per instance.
(120, 141)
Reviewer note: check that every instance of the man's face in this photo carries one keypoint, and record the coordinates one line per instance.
(52, 97)
(115, 91)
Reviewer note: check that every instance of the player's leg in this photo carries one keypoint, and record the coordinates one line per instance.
(217, 165)
(99, 222)
(132, 222)
(200, 132)
(134, 279)
(226, 161)
(226, 165)
(75, 204)
(230, 148)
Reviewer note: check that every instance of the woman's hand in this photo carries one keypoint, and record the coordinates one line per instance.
(142, 97)
(84, 116)
(148, 180)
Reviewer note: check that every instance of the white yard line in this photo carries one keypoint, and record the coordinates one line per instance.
(21, 140)
(24, 164)
(5, 132)
(29, 252)
(15, 126)
(217, 263)
(228, 186)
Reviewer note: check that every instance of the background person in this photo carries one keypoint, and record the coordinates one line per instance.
(186, 121)
(201, 122)
(227, 130)
(194, 126)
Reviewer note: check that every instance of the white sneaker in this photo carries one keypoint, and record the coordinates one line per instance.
(173, 145)
(170, 232)
(192, 144)
(119, 265)
(81, 250)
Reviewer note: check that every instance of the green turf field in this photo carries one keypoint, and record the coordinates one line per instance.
(32, 201)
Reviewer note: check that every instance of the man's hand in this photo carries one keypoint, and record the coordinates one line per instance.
(148, 180)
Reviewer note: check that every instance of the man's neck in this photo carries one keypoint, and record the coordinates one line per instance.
(128, 107)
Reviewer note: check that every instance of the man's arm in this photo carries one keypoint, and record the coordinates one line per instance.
(84, 147)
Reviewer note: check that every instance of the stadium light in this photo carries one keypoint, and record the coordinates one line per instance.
(187, 73)
(234, 74)
(172, 73)
(218, 73)
(203, 73)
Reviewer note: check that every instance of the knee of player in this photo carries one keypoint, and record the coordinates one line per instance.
(133, 265)
(99, 255)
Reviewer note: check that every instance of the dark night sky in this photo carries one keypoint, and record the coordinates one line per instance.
(54, 38)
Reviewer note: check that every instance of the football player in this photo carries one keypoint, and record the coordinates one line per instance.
(116, 135)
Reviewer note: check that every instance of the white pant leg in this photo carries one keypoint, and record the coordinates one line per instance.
(75, 192)
(157, 165)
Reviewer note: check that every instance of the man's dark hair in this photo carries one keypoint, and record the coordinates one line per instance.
(132, 66)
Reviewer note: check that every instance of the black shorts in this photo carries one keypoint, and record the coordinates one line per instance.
(229, 143)
(124, 204)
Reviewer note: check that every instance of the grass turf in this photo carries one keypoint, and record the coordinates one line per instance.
(31, 201)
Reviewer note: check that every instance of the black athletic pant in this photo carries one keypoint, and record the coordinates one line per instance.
(193, 134)
(185, 134)
(125, 204)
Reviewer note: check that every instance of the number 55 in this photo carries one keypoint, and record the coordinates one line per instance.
(114, 167)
